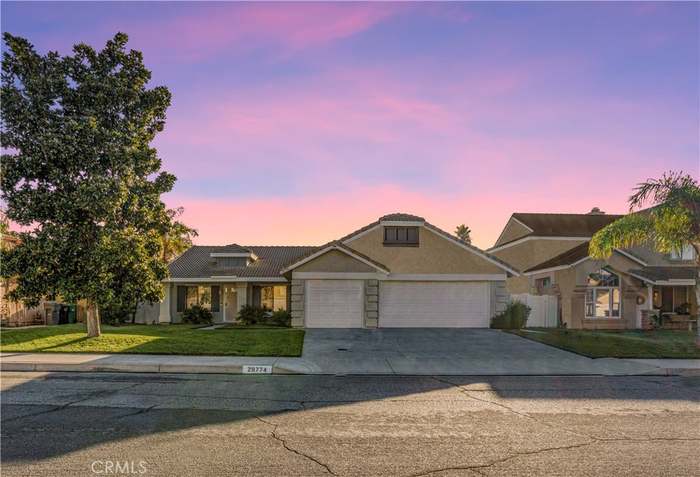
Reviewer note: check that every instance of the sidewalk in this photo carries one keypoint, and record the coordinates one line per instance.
(68, 362)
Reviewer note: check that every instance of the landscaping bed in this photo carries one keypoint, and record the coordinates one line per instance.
(156, 339)
(617, 344)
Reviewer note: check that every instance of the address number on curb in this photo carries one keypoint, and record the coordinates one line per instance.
(248, 369)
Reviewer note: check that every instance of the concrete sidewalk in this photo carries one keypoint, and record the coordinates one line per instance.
(67, 362)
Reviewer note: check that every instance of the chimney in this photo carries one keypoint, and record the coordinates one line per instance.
(596, 211)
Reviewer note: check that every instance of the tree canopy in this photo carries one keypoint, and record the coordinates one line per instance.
(464, 233)
(671, 221)
(80, 175)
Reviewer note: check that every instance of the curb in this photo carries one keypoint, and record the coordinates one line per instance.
(145, 368)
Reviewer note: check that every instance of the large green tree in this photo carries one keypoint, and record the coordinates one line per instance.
(671, 222)
(81, 175)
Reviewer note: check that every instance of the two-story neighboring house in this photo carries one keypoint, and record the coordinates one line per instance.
(552, 252)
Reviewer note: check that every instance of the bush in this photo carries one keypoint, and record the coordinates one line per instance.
(514, 317)
(197, 315)
(280, 318)
(252, 315)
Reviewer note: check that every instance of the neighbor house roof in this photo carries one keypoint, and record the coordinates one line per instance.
(564, 259)
(197, 263)
(665, 274)
(564, 225)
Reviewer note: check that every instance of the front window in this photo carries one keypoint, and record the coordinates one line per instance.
(603, 295)
(273, 297)
(196, 295)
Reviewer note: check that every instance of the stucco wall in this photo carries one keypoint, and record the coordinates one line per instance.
(528, 254)
(571, 284)
(434, 254)
(335, 261)
(513, 230)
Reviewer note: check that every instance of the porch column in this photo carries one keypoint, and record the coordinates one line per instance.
(164, 313)
(241, 295)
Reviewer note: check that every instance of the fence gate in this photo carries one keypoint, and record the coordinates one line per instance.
(545, 309)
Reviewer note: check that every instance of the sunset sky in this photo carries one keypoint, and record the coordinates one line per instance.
(299, 123)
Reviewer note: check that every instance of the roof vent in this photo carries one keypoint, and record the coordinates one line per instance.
(596, 211)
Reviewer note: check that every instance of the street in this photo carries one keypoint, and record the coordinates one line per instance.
(149, 424)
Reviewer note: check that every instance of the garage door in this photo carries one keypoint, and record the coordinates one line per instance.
(334, 304)
(434, 304)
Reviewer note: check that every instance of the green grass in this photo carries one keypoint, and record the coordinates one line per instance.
(618, 344)
(155, 339)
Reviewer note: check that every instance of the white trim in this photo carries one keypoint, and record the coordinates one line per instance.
(475, 251)
(227, 279)
(632, 257)
(328, 249)
(337, 276)
(234, 255)
(506, 227)
(534, 237)
(672, 282)
(401, 223)
(446, 277)
(364, 232)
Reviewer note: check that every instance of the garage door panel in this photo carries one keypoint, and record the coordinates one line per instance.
(334, 304)
(434, 304)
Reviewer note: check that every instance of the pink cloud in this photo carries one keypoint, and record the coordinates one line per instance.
(213, 29)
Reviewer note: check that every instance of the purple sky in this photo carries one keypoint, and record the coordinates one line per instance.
(298, 123)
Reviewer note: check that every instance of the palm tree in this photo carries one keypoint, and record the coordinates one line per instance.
(672, 221)
(464, 233)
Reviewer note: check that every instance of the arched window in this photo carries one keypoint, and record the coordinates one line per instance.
(603, 295)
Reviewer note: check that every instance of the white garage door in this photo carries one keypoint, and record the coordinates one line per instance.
(334, 304)
(434, 304)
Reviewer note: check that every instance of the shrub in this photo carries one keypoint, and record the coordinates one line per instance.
(280, 318)
(197, 315)
(514, 317)
(251, 315)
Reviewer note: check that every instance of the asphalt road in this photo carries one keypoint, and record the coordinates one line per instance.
(129, 424)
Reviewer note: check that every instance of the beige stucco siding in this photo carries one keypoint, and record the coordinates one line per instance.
(434, 254)
(335, 261)
(528, 254)
(513, 230)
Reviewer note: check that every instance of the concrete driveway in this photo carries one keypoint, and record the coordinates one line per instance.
(447, 351)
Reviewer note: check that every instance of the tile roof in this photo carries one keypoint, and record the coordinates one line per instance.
(340, 245)
(401, 217)
(569, 257)
(655, 274)
(564, 225)
(196, 262)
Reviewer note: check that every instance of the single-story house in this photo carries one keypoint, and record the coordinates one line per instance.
(399, 271)
(617, 293)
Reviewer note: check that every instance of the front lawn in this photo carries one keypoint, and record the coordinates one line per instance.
(617, 344)
(155, 339)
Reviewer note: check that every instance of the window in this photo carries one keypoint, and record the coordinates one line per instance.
(542, 283)
(687, 252)
(603, 295)
(204, 296)
(401, 236)
(273, 297)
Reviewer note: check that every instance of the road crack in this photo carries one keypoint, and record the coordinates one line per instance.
(291, 449)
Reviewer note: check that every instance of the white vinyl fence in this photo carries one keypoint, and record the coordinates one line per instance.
(544, 312)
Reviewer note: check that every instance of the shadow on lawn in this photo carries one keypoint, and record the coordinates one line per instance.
(95, 407)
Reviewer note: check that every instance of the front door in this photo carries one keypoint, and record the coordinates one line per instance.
(230, 303)
(667, 299)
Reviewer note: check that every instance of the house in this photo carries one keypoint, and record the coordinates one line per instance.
(399, 271)
(617, 293)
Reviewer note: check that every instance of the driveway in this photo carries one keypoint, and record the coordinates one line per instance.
(447, 351)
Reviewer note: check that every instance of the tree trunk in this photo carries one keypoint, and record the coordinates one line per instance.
(93, 320)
